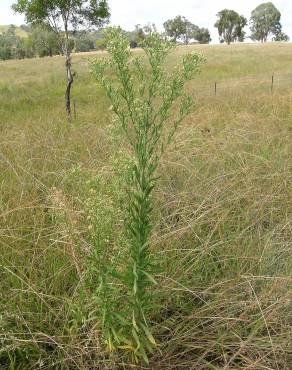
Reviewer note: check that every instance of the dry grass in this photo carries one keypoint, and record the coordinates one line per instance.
(223, 218)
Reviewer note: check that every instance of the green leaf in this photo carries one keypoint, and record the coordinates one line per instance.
(149, 335)
(134, 322)
(150, 277)
(135, 336)
(120, 319)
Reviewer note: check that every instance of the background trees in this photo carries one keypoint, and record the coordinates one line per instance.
(41, 41)
(138, 35)
(46, 37)
(60, 16)
(44, 42)
(83, 42)
(7, 43)
(230, 26)
(265, 21)
(13, 46)
(181, 29)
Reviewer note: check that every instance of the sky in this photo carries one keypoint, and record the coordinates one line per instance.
(128, 13)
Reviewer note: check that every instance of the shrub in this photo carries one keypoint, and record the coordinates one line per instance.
(142, 100)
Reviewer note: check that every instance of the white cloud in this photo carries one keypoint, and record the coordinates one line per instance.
(128, 13)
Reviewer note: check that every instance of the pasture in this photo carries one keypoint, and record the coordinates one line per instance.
(222, 218)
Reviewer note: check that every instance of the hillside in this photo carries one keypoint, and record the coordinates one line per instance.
(18, 30)
(222, 216)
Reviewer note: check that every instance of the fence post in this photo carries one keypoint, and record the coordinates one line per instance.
(215, 88)
(272, 84)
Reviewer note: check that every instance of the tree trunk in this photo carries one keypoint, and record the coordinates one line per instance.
(70, 75)
(70, 80)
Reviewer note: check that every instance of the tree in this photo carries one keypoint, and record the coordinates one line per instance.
(140, 33)
(265, 21)
(60, 16)
(182, 29)
(177, 28)
(191, 32)
(24, 48)
(8, 43)
(230, 26)
(202, 35)
(84, 43)
(149, 28)
(281, 36)
(44, 41)
(5, 48)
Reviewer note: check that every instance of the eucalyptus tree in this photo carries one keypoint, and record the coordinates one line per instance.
(230, 26)
(177, 28)
(61, 16)
(180, 28)
(281, 36)
(265, 21)
(202, 35)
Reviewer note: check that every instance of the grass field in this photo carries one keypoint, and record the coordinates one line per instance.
(222, 216)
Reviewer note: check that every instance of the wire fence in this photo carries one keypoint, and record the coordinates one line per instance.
(268, 84)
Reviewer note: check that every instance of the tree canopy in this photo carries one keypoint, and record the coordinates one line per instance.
(57, 12)
(202, 35)
(176, 27)
(230, 26)
(265, 21)
(181, 29)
